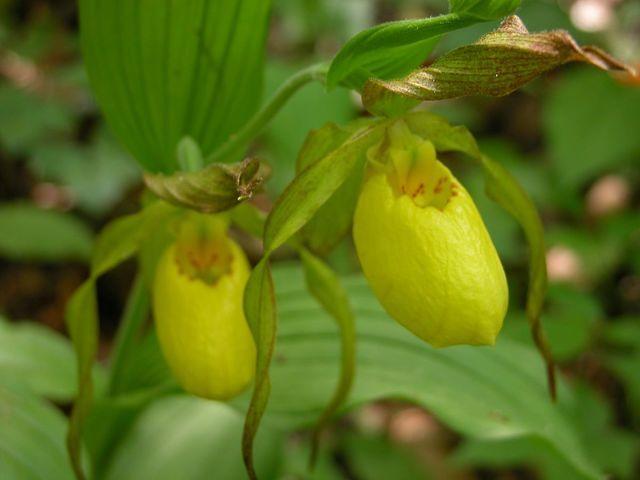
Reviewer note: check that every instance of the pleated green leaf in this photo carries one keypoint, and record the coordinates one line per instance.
(31, 436)
(165, 69)
(481, 392)
(202, 434)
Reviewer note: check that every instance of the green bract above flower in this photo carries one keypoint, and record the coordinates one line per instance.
(197, 299)
(424, 248)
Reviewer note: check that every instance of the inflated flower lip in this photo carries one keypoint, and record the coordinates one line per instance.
(197, 299)
(424, 248)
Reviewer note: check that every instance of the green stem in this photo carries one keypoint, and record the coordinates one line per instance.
(136, 312)
(255, 126)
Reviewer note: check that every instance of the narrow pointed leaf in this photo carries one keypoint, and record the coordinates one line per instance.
(325, 286)
(260, 310)
(311, 189)
(216, 188)
(390, 50)
(119, 241)
(505, 190)
(165, 69)
(496, 65)
(333, 220)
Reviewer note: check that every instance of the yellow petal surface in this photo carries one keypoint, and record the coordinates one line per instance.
(202, 330)
(434, 268)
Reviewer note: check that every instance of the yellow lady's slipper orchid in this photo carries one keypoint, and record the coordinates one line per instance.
(197, 300)
(424, 248)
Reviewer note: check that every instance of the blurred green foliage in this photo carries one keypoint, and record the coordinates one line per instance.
(560, 136)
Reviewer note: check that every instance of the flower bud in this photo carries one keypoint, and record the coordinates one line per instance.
(424, 248)
(197, 299)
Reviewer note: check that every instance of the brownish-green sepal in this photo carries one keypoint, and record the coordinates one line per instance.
(496, 65)
(215, 188)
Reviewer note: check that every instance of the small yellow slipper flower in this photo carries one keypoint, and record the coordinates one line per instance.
(424, 248)
(197, 299)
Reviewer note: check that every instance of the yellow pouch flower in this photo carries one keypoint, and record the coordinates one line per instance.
(424, 248)
(197, 299)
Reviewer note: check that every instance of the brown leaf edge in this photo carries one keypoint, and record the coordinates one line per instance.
(499, 63)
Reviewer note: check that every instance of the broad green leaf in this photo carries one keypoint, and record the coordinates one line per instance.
(119, 241)
(483, 9)
(215, 188)
(611, 448)
(496, 65)
(31, 437)
(162, 70)
(31, 233)
(482, 392)
(38, 358)
(326, 288)
(190, 438)
(390, 50)
(333, 220)
(111, 417)
(260, 310)
(311, 189)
